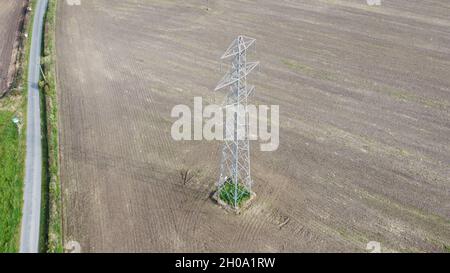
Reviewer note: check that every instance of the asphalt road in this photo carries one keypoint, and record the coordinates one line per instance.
(29, 242)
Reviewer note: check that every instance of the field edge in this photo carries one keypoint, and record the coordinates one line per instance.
(52, 193)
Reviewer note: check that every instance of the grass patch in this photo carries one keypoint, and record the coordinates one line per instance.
(11, 183)
(231, 192)
(51, 142)
(309, 71)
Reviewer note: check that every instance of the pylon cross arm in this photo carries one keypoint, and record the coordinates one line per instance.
(239, 45)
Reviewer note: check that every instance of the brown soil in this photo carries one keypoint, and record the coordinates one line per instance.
(11, 16)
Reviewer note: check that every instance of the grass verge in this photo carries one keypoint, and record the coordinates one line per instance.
(447, 248)
(11, 182)
(52, 198)
(13, 144)
(230, 190)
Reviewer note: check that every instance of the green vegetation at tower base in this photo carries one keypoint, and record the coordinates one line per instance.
(232, 192)
(52, 200)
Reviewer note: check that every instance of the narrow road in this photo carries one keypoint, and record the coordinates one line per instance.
(29, 240)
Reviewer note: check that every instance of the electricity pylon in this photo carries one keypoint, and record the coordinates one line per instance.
(235, 163)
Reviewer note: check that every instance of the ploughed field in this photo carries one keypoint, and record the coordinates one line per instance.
(11, 14)
(11, 142)
(364, 96)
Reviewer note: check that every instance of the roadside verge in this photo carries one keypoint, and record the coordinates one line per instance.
(52, 200)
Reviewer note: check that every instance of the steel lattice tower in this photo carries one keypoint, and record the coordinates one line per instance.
(235, 163)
